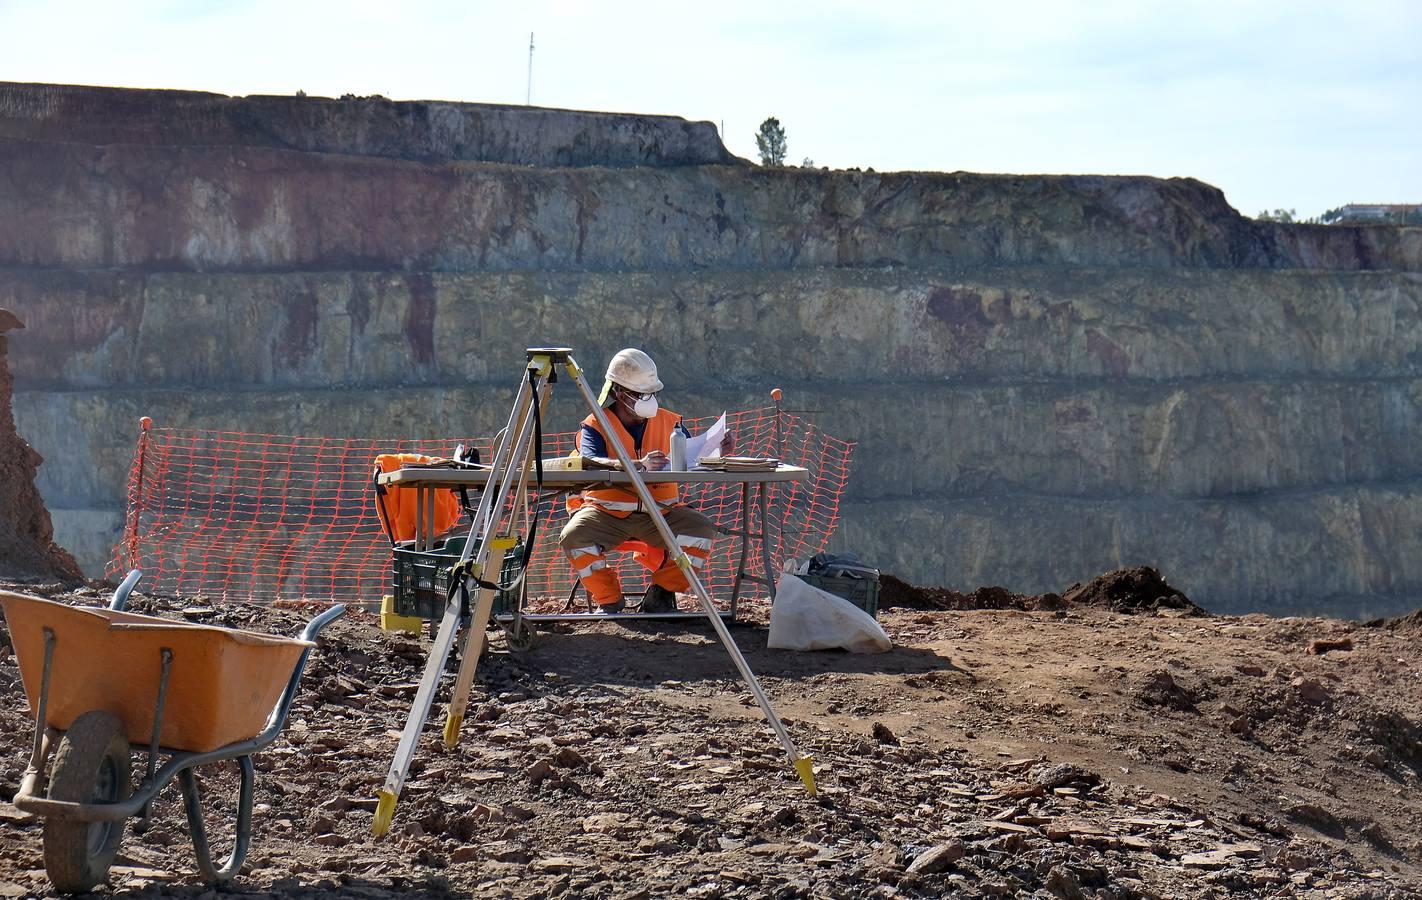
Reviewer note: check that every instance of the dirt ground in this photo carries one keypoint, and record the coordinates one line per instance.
(1074, 751)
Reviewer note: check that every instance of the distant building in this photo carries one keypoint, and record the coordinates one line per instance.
(1378, 213)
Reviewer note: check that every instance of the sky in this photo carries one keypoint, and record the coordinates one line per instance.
(1304, 105)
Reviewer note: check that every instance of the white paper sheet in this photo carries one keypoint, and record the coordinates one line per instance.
(708, 443)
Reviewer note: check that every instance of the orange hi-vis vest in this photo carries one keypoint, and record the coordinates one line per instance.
(396, 505)
(622, 502)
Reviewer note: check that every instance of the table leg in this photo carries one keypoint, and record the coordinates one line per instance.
(765, 539)
(744, 532)
(430, 522)
(419, 518)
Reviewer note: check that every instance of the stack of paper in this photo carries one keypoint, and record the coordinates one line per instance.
(708, 443)
(739, 463)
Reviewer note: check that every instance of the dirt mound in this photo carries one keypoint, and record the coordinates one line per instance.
(1136, 589)
(896, 593)
(1133, 590)
(27, 544)
(1408, 624)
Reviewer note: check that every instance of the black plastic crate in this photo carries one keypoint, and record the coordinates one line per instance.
(862, 592)
(420, 579)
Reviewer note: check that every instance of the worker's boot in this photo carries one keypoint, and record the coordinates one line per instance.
(658, 600)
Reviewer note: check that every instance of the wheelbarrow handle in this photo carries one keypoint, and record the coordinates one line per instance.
(278, 716)
(120, 598)
(314, 627)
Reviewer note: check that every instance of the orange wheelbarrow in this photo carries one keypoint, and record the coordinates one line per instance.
(106, 679)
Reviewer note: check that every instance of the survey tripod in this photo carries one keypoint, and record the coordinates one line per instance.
(515, 452)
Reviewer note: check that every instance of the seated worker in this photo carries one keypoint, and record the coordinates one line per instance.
(604, 517)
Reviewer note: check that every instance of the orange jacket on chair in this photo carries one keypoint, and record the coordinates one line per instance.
(619, 501)
(396, 505)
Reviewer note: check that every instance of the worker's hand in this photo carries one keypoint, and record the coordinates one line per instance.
(653, 462)
(728, 444)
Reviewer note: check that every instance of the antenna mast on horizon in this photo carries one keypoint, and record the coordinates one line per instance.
(528, 97)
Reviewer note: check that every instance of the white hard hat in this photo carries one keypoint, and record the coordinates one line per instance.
(634, 370)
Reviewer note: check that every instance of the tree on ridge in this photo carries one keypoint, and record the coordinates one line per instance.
(770, 142)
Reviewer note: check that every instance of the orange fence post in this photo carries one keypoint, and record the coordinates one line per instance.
(776, 394)
(135, 494)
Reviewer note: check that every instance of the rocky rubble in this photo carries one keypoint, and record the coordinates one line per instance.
(628, 762)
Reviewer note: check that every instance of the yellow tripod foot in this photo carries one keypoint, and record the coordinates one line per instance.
(805, 768)
(384, 812)
(390, 620)
(451, 731)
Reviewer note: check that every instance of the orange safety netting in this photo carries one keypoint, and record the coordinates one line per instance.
(236, 516)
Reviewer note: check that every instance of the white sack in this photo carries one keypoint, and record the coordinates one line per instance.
(804, 617)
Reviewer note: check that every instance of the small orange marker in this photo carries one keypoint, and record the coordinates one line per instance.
(776, 394)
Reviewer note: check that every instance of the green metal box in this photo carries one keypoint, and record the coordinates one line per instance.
(420, 578)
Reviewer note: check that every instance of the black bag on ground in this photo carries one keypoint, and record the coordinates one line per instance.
(841, 565)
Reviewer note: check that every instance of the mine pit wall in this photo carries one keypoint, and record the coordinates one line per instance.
(1047, 377)
(77, 206)
(1251, 430)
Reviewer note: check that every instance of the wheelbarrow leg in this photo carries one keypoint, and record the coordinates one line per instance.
(144, 817)
(192, 802)
(41, 748)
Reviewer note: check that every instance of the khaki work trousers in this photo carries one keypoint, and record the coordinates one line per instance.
(591, 532)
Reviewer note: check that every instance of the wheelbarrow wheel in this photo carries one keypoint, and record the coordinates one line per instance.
(92, 765)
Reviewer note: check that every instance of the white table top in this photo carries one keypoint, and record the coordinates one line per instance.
(564, 478)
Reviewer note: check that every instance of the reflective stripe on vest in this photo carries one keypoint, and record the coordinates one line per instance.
(657, 436)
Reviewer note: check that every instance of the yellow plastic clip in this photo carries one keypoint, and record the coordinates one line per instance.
(541, 365)
(573, 368)
(467, 569)
(384, 813)
(451, 730)
(805, 768)
(683, 562)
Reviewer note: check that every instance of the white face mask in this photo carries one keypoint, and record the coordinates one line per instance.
(646, 407)
(642, 407)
